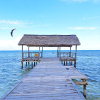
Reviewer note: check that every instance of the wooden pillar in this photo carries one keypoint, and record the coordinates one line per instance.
(60, 52)
(39, 52)
(22, 56)
(22, 52)
(57, 51)
(70, 56)
(75, 63)
(22, 64)
(70, 51)
(32, 64)
(75, 56)
(26, 62)
(76, 50)
(64, 62)
(28, 53)
(71, 62)
(84, 89)
(42, 51)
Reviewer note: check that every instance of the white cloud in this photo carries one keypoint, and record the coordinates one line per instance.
(15, 23)
(91, 17)
(11, 44)
(40, 15)
(95, 1)
(5, 28)
(10, 22)
(82, 28)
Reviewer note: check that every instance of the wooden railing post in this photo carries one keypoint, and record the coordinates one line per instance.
(22, 56)
(39, 52)
(75, 57)
(22, 52)
(42, 52)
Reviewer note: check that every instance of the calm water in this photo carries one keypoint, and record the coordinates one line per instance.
(88, 62)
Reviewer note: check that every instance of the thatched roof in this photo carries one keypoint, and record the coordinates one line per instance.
(49, 40)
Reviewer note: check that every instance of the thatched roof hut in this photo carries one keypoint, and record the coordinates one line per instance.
(49, 40)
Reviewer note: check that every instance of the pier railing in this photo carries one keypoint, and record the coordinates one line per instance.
(31, 55)
(67, 54)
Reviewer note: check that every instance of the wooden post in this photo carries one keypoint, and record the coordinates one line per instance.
(75, 63)
(84, 89)
(42, 51)
(70, 56)
(22, 64)
(22, 52)
(70, 51)
(64, 62)
(71, 62)
(22, 56)
(26, 62)
(39, 52)
(75, 57)
(57, 51)
(28, 53)
(32, 64)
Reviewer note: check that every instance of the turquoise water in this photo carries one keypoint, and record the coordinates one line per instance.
(88, 62)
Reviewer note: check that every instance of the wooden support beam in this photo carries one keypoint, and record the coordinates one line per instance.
(84, 83)
(22, 64)
(28, 51)
(57, 51)
(22, 56)
(84, 90)
(31, 61)
(42, 52)
(83, 80)
(81, 83)
(75, 56)
(70, 51)
(32, 64)
(39, 52)
(22, 52)
(75, 63)
(64, 63)
(71, 62)
(26, 62)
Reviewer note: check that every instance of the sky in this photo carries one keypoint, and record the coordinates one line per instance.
(50, 17)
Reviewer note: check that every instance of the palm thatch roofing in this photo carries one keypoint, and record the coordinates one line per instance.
(49, 40)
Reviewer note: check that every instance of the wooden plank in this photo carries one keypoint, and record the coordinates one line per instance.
(48, 81)
(77, 90)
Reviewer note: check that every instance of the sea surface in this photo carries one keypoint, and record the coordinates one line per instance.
(88, 62)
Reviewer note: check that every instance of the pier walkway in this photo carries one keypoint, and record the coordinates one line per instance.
(49, 80)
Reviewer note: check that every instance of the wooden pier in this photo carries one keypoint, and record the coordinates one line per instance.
(49, 80)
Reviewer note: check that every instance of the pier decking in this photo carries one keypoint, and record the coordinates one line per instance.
(49, 80)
